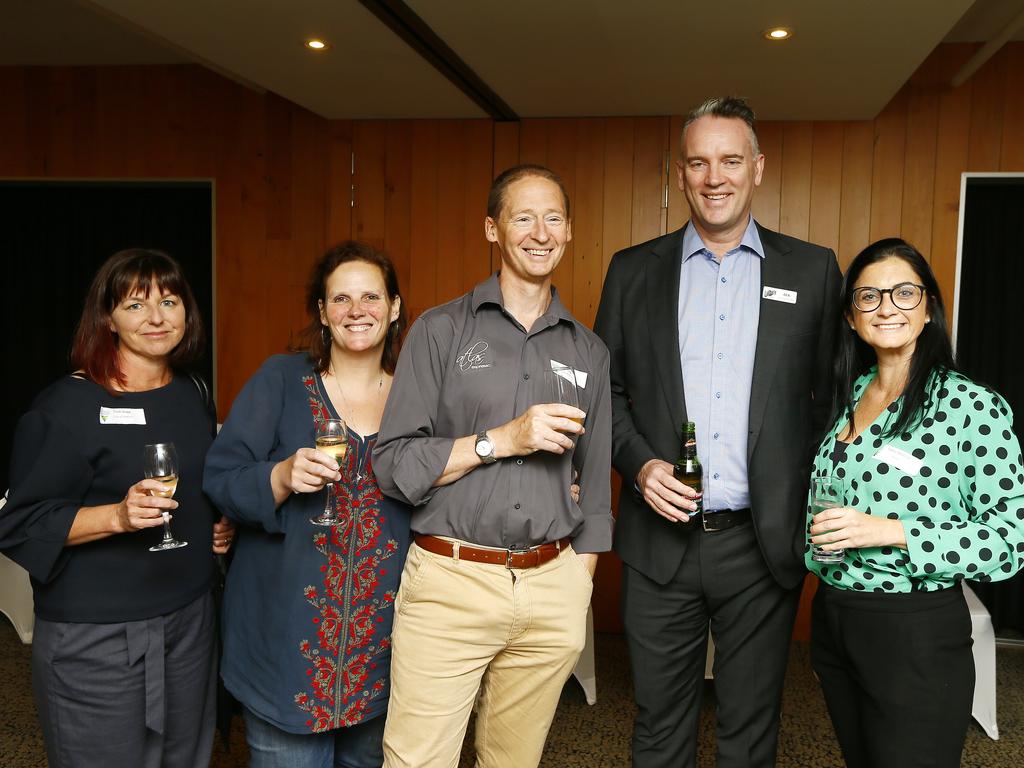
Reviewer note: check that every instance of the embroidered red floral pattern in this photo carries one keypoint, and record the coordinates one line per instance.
(343, 671)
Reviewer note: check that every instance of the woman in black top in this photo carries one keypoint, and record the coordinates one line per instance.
(123, 654)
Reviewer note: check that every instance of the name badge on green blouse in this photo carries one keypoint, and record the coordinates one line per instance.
(902, 460)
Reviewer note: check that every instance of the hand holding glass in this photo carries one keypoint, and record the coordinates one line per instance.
(826, 493)
(332, 439)
(160, 463)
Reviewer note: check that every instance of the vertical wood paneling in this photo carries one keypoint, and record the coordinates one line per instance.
(987, 99)
(369, 139)
(855, 205)
(678, 210)
(421, 290)
(618, 185)
(795, 202)
(506, 147)
(768, 197)
(451, 231)
(339, 158)
(588, 220)
(919, 167)
(478, 150)
(887, 169)
(826, 185)
(650, 139)
(398, 197)
(562, 138)
(1011, 156)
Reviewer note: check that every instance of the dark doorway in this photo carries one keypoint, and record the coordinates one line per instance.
(53, 237)
(989, 331)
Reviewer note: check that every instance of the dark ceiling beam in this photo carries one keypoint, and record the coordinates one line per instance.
(403, 21)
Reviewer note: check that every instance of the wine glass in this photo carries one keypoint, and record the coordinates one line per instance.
(561, 388)
(332, 439)
(826, 493)
(160, 463)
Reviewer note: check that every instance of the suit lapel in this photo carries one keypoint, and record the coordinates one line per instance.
(663, 313)
(771, 331)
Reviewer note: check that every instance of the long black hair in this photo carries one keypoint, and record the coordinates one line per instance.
(933, 351)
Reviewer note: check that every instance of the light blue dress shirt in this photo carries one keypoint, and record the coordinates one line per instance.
(719, 308)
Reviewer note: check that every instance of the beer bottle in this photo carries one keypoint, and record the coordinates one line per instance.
(687, 468)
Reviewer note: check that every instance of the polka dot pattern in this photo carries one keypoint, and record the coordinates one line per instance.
(963, 510)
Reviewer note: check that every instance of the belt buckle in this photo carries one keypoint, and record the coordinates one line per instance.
(704, 522)
(510, 552)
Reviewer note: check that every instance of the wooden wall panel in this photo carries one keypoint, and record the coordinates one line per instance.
(768, 197)
(797, 156)
(887, 169)
(826, 184)
(855, 202)
(421, 289)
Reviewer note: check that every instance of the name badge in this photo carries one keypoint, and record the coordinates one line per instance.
(902, 460)
(567, 372)
(779, 294)
(122, 415)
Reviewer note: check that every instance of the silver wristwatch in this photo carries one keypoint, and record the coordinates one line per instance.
(485, 448)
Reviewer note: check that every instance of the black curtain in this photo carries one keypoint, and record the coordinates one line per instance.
(53, 238)
(990, 334)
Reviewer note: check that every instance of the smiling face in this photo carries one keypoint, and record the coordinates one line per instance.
(148, 327)
(356, 307)
(889, 329)
(718, 174)
(532, 229)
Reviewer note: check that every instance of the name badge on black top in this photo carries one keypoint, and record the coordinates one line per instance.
(122, 415)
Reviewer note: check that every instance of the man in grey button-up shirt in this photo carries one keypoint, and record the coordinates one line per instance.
(471, 437)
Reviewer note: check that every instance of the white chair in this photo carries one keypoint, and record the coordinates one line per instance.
(16, 595)
(984, 707)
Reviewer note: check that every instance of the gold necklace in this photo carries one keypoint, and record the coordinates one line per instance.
(344, 400)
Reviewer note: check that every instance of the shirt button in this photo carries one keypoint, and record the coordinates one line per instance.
(718, 395)
(720, 355)
(721, 317)
(517, 505)
(716, 435)
(519, 461)
(526, 376)
(715, 475)
(724, 280)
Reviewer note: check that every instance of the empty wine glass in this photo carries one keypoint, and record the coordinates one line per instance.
(160, 463)
(332, 439)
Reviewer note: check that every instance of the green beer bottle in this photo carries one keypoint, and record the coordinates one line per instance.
(687, 468)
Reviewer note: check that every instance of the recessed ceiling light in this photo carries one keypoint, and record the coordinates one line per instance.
(315, 44)
(778, 33)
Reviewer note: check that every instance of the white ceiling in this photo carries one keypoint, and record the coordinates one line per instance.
(544, 58)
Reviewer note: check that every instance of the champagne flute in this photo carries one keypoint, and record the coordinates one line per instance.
(160, 463)
(332, 439)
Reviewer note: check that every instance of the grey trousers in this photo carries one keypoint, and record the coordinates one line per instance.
(141, 693)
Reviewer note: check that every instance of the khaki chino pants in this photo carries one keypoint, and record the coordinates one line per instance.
(465, 631)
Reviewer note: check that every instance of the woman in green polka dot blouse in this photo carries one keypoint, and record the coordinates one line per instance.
(933, 494)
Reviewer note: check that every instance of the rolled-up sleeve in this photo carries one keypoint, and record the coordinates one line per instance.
(49, 478)
(238, 465)
(409, 456)
(593, 459)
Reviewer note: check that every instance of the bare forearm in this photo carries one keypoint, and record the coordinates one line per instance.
(92, 524)
(461, 462)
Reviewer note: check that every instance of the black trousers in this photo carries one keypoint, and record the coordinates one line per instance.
(723, 582)
(897, 674)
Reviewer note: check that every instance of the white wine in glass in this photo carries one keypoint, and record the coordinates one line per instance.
(160, 463)
(332, 439)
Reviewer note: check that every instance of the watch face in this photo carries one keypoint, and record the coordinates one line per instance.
(484, 447)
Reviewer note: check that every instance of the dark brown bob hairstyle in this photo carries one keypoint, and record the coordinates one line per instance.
(94, 351)
(316, 338)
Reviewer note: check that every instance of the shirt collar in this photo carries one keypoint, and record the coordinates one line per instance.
(489, 292)
(751, 241)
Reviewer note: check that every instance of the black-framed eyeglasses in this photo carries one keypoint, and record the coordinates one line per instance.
(903, 295)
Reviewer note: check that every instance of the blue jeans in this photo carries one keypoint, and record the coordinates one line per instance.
(358, 746)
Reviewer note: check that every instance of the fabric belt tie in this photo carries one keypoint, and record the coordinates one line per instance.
(510, 558)
(722, 520)
(145, 640)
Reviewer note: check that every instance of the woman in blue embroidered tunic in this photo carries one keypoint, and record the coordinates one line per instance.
(308, 610)
(934, 494)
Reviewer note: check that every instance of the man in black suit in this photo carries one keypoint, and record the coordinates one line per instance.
(729, 325)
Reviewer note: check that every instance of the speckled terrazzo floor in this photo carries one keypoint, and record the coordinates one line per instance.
(585, 736)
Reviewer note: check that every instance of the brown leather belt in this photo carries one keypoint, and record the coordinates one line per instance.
(510, 558)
